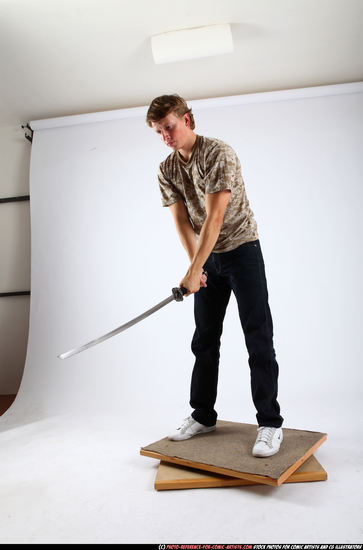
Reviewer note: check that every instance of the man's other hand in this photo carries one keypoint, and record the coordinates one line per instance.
(194, 281)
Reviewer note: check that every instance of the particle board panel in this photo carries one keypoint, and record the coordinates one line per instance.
(227, 451)
(172, 476)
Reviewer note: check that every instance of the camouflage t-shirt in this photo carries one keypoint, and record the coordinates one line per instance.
(213, 166)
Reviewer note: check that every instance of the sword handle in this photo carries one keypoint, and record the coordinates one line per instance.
(178, 293)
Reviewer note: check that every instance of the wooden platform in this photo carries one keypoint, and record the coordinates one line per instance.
(227, 451)
(172, 476)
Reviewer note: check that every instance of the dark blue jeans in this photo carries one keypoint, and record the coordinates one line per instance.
(242, 271)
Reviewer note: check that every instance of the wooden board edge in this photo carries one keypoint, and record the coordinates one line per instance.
(208, 481)
(201, 484)
(208, 467)
(216, 482)
(287, 473)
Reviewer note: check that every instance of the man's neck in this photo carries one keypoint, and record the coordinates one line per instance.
(186, 151)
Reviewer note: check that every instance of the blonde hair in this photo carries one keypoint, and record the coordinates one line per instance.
(161, 106)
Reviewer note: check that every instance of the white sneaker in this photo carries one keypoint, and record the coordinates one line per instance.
(189, 428)
(268, 441)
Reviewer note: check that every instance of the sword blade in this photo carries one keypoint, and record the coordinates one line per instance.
(118, 329)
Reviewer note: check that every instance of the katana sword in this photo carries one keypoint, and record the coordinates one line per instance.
(177, 295)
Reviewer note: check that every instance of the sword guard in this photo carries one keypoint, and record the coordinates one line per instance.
(178, 293)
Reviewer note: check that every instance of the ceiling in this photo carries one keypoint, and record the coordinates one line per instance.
(63, 57)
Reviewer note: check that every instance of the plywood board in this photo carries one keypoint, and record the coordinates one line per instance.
(228, 451)
(172, 476)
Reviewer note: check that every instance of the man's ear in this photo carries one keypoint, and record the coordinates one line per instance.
(187, 119)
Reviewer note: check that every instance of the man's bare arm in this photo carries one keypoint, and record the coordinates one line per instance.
(215, 205)
(184, 228)
(198, 253)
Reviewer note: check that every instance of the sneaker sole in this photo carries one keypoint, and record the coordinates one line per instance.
(260, 455)
(187, 436)
(264, 455)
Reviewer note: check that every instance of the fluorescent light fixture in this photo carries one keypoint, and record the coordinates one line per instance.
(191, 43)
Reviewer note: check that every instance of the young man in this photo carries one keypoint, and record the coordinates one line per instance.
(201, 182)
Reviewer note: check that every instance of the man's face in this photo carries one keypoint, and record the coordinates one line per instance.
(173, 130)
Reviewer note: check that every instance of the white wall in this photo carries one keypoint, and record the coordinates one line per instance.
(14, 256)
(103, 251)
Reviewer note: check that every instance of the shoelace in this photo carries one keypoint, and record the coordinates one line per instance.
(265, 435)
(186, 423)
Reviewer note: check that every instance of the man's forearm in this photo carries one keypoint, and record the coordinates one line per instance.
(187, 238)
(198, 251)
(207, 239)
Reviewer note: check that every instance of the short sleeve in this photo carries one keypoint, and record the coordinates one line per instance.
(169, 192)
(221, 167)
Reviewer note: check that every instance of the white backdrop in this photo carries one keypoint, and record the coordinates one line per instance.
(104, 251)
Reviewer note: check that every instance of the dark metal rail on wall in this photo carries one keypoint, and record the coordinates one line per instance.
(16, 199)
(22, 292)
